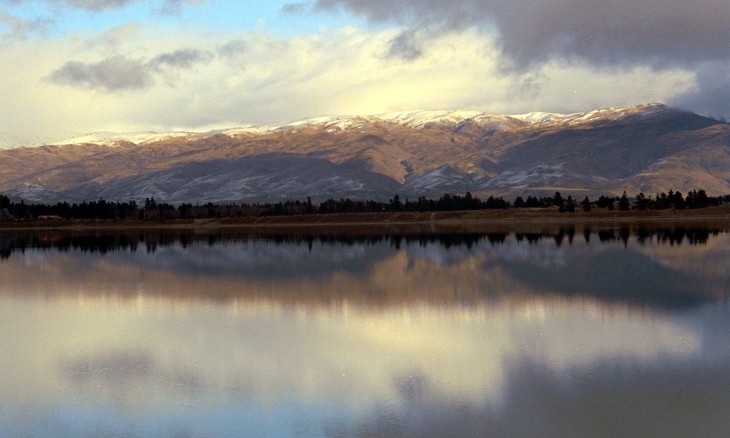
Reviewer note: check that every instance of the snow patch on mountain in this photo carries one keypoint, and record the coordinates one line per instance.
(245, 130)
(604, 114)
(113, 138)
(537, 118)
(332, 123)
(445, 177)
(457, 151)
(541, 174)
(411, 119)
(33, 193)
(419, 119)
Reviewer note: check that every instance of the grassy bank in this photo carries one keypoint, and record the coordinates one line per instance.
(507, 219)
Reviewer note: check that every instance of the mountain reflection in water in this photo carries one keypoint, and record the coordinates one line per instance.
(568, 332)
(623, 264)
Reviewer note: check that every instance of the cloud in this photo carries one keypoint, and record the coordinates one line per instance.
(295, 8)
(110, 74)
(406, 46)
(138, 77)
(233, 48)
(711, 93)
(172, 7)
(98, 5)
(111, 40)
(20, 28)
(183, 59)
(120, 73)
(167, 7)
(648, 32)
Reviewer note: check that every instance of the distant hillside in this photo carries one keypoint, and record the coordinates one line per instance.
(649, 148)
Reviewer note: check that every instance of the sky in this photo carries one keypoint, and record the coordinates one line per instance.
(71, 67)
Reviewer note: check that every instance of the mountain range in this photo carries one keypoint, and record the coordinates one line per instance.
(648, 148)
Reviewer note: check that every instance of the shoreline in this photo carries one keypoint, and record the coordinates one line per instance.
(443, 221)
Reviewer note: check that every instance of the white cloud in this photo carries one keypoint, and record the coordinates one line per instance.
(96, 6)
(202, 80)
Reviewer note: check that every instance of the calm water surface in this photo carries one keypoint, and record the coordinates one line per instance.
(614, 333)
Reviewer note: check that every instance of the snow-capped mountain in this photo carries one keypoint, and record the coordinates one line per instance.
(115, 138)
(645, 148)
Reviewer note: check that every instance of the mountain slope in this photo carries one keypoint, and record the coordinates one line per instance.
(647, 148)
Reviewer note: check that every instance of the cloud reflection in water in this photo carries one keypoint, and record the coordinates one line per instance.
(422, 340)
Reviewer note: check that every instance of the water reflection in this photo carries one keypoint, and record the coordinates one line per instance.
(429, 335)
(150, 240)
(643, 266)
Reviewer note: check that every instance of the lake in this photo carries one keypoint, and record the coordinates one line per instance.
(564, 332)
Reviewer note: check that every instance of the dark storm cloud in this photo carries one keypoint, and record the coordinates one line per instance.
(119, 73)
(405, 46)
(650, 32)
(711, 95)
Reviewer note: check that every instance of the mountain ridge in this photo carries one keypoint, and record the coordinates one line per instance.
(648, 148)
(413, 119)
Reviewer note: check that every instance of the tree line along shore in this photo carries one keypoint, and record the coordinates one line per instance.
(151, 210)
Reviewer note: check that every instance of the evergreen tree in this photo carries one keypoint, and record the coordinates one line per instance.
(605, 202)
(395, 203)
(641, 202)
(677, 200)
(623, 203)
(586, 204)
(569, 204)
(559, 201)
(532, 202)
